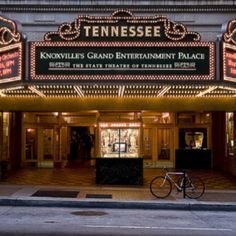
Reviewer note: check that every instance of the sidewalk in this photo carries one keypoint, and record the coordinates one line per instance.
(72, 187)
(112, 197)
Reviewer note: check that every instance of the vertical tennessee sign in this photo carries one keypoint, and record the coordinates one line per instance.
(229, 52)
(10, 51)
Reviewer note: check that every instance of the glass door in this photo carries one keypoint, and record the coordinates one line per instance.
(48, 144)
(230, 133)
(164, 143)
(31, 144)
(63, 144)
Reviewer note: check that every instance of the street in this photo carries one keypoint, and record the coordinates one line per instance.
(90, 221)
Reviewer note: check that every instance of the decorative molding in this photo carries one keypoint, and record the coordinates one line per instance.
(8, 32)
(105, 8)
(172, 31)
(230, 35)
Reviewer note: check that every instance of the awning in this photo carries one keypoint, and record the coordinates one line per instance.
(71, 96)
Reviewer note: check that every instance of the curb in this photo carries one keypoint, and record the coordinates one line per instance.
(147, 205)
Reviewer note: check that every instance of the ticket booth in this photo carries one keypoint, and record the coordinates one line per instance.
(120, 161)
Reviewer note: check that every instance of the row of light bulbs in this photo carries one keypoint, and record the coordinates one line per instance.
(116, 87)
(128, 94)
(177, 90)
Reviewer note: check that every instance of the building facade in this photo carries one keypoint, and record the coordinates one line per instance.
(167, 98)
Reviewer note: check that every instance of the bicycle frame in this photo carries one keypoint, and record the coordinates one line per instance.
(168, 176)
(192, 187)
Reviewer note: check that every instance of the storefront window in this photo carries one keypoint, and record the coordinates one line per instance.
(193, 118)
(119, 142)
(205, 118)
(230, 133)
(157, 117)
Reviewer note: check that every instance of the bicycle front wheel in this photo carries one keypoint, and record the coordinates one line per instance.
(194, 187)
(160, 187)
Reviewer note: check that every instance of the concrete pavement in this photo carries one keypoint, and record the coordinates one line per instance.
(113, 197)
(19, 188)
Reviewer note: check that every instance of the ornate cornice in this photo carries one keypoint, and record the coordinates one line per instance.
(230, 35)
(8, 32)
(107, 8)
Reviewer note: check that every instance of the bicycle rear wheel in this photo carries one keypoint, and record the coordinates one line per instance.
(160, 187)
(194, 187)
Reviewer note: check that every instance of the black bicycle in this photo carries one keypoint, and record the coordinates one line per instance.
(161, 186)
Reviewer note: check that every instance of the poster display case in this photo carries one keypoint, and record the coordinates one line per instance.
(121, 140)
(120, 161)
(193, 152)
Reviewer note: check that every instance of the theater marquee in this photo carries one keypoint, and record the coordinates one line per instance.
(11, 63)
(122, 60)
(122, 47)
(10, 51)
(229, 52)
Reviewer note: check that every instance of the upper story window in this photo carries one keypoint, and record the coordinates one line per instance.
(193, 118)
(157, 117)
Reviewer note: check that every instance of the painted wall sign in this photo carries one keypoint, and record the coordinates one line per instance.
(229, 52)
(10, 51)
(124, 61)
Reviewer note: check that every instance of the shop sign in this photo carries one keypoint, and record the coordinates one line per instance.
(159, 61)
(229, 52)
(10, 51)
